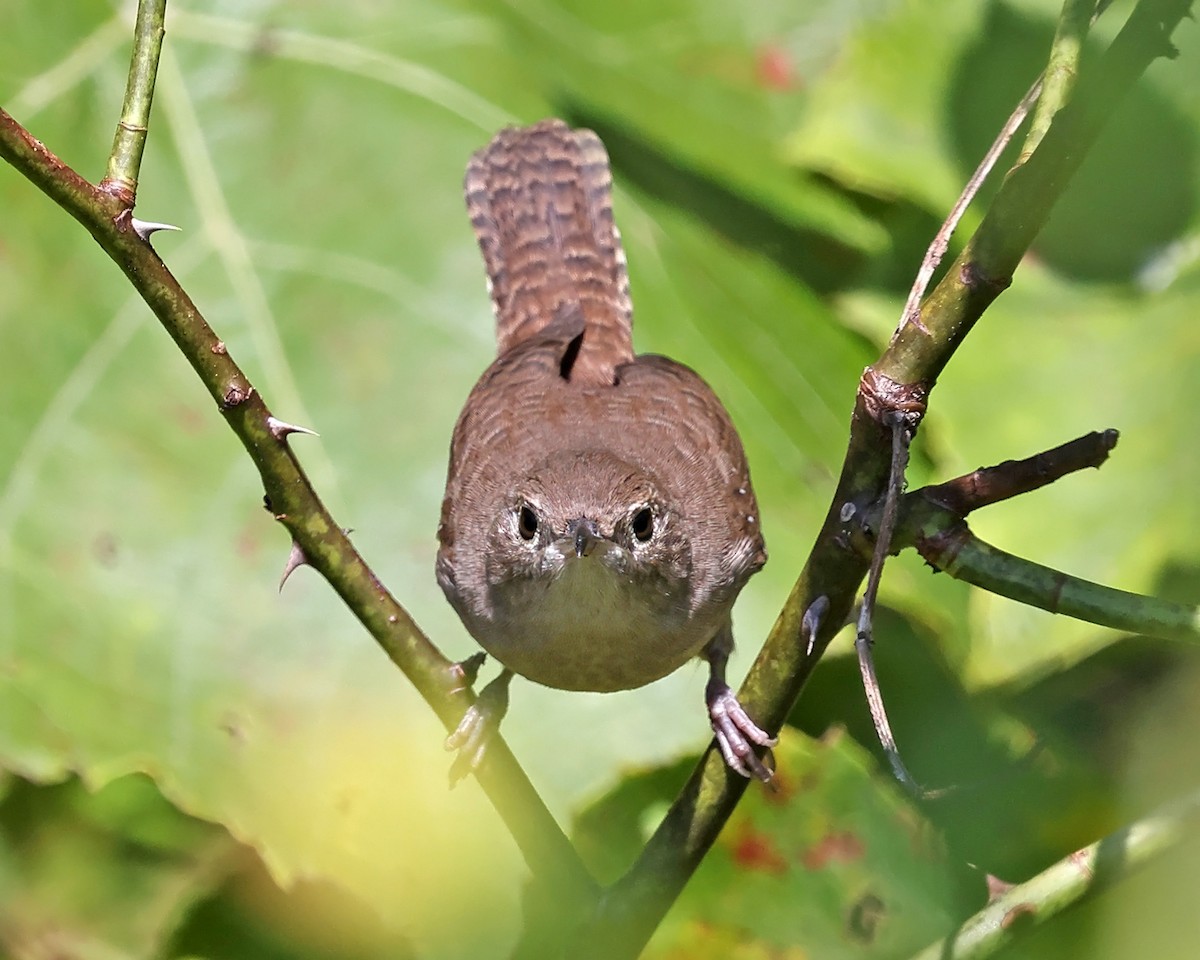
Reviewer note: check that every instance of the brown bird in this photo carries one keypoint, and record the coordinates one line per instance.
(598, 521)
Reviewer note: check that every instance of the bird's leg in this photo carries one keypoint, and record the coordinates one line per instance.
(736, 733)
(482, 719)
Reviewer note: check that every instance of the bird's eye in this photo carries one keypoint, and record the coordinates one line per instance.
(527, 522)
(643, 524)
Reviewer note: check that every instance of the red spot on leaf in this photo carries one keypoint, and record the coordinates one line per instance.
(836, 847)
(756, 851)
(189, 419)
(773, 68)
(248, 543)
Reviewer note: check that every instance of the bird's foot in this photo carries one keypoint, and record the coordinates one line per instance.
(736, 732)
(473, 733)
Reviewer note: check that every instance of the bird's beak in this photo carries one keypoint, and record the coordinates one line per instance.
(584, 534)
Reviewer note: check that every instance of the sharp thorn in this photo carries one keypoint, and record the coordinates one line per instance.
(296, 558)
(279, 429)
(810, 623)
(143, 228)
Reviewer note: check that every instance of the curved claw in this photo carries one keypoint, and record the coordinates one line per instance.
(736, 732)
(482, 719)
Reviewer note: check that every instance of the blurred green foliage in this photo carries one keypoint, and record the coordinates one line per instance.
(780, 167)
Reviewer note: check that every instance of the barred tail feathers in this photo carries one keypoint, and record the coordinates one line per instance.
(540, 201)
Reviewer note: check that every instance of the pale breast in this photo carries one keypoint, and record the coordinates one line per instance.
(591, 628)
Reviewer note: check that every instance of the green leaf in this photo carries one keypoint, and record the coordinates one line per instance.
(104, 876)
(872, 122)
(825, 864)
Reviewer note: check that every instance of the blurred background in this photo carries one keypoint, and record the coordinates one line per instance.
(193, 764)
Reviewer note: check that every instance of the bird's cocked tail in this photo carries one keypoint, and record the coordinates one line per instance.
(540, 200)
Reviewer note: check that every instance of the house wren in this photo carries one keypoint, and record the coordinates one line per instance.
(598, 521)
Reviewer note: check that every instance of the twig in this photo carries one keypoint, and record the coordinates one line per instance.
(958, 552)
(1084, 872)
(125, 160)
(866, 613)
(989, 485)
(932, 520)
(1050, 91)
(942, 507)
(941, 240)
(921, 349)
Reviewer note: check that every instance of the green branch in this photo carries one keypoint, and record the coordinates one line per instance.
(958, 552)
(125, 160)
(1062, 68)
(1084, 872)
